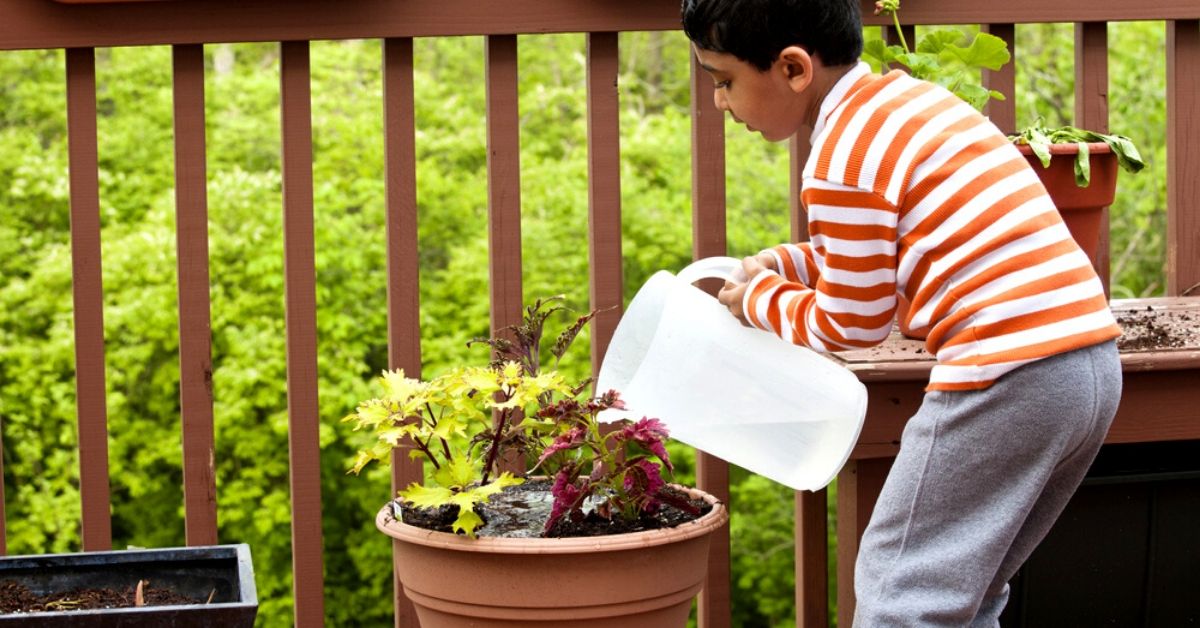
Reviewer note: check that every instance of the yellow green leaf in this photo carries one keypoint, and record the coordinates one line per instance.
(466, 522)
(448, 426)
(371, 414)
(480, 379)
(458, 473)
(515, 401)
(360, 460)
(497, 485)
(396, 386)
(427, 496)
(510, 372)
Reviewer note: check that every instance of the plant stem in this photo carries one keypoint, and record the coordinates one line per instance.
(424, 447)
(900, 31)
(495, 445)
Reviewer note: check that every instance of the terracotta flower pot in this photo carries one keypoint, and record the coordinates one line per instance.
(1081, 208)
(637, 580)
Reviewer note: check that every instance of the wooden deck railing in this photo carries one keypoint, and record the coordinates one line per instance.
(187, 25)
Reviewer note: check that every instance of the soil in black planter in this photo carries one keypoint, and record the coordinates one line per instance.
(16, 598)
(521, 512)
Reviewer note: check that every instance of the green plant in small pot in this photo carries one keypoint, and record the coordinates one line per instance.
(587, 522)
(1081, 183)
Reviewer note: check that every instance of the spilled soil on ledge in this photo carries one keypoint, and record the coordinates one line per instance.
(1148, 329)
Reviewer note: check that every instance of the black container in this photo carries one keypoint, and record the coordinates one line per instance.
(1126, 551)
(223, 571)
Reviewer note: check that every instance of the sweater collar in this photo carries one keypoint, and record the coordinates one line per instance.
(842, 90)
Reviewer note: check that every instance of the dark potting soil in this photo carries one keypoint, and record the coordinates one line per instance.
(521, 512)
(1150, 329)
(17, 598)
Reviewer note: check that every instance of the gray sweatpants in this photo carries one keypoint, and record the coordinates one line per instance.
(980, 478)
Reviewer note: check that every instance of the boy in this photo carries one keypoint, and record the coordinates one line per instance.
(913, 196)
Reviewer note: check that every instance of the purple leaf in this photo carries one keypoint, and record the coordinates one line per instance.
(649, 433)
(567, 497)
(610, 399)
(570, 439)
(646, 476)
(561, 410)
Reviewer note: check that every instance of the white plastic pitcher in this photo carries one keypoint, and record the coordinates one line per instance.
(738, 393)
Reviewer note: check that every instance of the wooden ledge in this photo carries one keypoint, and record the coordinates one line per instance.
(903, 359)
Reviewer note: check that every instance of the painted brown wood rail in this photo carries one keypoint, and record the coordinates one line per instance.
(1161, 384)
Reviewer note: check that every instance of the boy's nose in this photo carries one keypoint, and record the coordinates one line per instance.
(719, 100)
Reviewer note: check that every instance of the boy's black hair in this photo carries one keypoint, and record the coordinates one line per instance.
(755, 31)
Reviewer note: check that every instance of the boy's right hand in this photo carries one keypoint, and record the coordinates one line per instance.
(732, 294)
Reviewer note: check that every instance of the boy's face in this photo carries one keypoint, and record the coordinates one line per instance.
(771, 102)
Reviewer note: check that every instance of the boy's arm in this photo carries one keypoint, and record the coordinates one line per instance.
(794, 262)
(837, 292)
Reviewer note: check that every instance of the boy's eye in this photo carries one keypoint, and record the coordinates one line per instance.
(721, 85)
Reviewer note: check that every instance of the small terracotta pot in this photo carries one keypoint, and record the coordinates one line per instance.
(637, 580)
(1081, 208)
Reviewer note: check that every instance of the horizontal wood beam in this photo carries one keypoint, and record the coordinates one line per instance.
(1031, 11)
(49, 24)
(1155, 406)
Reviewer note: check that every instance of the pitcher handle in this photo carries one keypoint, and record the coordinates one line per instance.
(727, 268)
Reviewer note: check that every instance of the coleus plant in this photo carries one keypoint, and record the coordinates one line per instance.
(444, 421)
(607, 467)
(469, 421)
(951, 59)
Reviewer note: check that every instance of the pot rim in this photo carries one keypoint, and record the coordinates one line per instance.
(1068, 148)
(714, 519)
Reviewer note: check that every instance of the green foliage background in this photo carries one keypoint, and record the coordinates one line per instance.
(37, 388)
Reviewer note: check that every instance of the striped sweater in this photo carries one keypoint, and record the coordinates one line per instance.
(911, 192)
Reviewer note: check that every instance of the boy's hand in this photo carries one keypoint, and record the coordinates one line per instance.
(732, 294)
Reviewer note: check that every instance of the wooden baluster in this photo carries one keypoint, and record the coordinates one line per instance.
(195, 323)
(708, 239)
(89, 299)
(812, 559)
(604, 191)
(3, 522)
(811, 525)
(301, 320)
(1183, 158)
(1091, 109)
(504, 192)
(403, 282)
(504, 181)
(1003, 113)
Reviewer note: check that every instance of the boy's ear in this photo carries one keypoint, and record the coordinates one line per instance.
(797, 67)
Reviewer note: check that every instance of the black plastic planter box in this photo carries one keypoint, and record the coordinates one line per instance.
(192, 571)
(1126, 551)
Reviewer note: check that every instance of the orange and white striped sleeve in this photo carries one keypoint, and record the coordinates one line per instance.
(795, 263)
(838, 291)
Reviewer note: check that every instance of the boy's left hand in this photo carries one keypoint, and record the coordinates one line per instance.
(732, 294)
